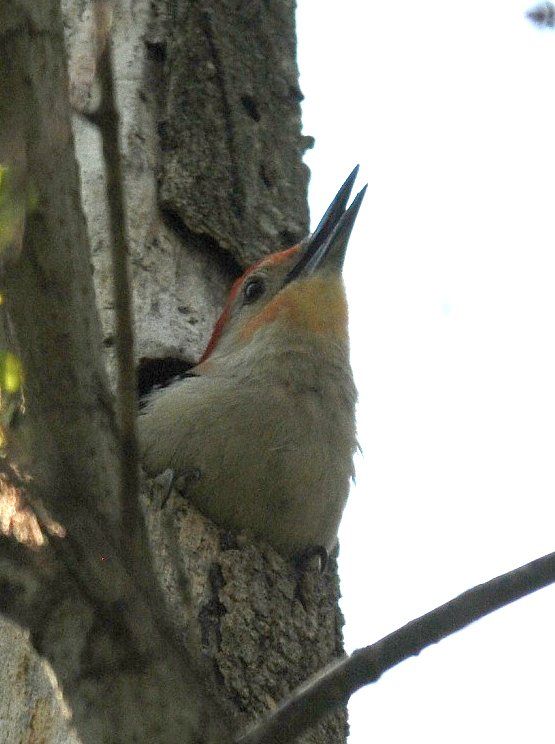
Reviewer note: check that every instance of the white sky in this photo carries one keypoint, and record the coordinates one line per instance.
(449, 109)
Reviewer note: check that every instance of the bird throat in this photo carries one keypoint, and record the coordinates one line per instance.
(316, 305)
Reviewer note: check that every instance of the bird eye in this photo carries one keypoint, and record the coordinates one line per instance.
(253, 289)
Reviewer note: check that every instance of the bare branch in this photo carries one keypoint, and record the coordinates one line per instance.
(334, 686)
(107, 120)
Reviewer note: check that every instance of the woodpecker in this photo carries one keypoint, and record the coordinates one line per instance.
(263, 428)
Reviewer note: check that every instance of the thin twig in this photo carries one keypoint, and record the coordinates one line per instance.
(107, 120)
(334, 685)
(133, 532)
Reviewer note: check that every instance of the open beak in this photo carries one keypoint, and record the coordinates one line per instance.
(327, 245)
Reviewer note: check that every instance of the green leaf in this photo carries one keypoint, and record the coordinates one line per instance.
(11, 372)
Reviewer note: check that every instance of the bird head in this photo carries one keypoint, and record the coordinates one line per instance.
(297, 291)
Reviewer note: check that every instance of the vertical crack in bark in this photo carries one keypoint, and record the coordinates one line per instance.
(237, 195)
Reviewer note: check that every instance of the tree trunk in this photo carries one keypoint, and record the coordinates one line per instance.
(210, 137)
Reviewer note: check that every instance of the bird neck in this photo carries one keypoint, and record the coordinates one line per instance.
(281, 354)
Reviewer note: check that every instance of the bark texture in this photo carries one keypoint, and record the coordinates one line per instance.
(95, 616)
(211, 142)
(265, 625)
(230, 132)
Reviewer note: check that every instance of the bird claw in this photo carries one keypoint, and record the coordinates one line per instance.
(169, 485)
(181, 481)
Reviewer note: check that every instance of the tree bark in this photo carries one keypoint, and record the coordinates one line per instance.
(92, 611)
(211, 144)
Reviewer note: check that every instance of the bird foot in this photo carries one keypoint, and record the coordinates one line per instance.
(181, 480)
